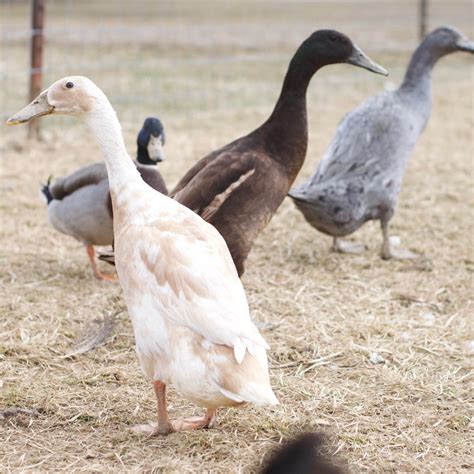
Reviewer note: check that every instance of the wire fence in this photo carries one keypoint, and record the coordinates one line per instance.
(188, 56)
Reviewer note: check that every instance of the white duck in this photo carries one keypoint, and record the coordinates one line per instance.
(187, 304)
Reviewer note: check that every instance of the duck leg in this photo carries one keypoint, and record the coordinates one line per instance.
(102, 276)
(196, 422)
(345, 246)
(388, 251)
(165, 426)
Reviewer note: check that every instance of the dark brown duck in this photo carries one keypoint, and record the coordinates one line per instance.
(239, 187)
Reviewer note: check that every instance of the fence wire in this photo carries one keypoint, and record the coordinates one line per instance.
(184, 56)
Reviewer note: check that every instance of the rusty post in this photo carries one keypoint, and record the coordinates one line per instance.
(36, 72)
(423, 18)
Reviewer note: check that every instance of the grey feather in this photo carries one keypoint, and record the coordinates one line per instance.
(85, 176)
(84, 214)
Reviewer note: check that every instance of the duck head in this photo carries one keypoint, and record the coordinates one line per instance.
(150, 142)
(326, 47)
(74, 95)
(446, 40)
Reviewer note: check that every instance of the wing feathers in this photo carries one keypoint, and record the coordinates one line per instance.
(85, 176)
(204, 194)
(217, 202)
(194, 282)
(239, 350)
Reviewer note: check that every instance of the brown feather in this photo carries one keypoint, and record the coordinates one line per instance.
(238, 192)
(153, 178)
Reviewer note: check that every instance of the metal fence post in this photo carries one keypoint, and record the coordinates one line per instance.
(36, 71)
(423, 18)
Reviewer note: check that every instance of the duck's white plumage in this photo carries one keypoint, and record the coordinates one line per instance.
(187, 304)
(189, 310)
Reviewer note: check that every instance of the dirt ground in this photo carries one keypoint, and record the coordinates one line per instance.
(212, 74)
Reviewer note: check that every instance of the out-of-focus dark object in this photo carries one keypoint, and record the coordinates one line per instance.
(307, 454)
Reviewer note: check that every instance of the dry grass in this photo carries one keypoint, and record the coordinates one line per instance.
(323, 314)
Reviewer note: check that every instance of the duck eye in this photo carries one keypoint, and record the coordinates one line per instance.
(69, 85)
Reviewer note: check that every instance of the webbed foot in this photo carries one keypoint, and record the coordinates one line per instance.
(399, 253)
(98, 274)
(391, 250)
(195, 422)
(183, 424)
(152, 429)
(346, 246)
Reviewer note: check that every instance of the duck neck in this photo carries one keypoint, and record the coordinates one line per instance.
(143, 157)
(105, 126)
(418, 75)
(286, 130)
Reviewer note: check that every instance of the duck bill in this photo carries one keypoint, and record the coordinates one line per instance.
(155, 149)
(360, 59)
(464, 44)
(37, 108)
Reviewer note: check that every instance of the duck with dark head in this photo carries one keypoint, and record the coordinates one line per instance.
(361, 173)
(79, 204)
(239, 187)
(150, 142)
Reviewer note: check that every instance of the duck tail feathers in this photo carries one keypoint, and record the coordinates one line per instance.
(260, 394)
(46, 192)
(252, 393)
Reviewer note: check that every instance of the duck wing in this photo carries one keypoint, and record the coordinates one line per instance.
(85, 176)
(153, 178)
(185, 268)
(214, 180)
(191, 173)
(367, 140)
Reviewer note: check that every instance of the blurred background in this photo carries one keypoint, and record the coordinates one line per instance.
(188, 60)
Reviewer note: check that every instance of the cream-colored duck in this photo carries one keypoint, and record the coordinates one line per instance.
(187, 304)
(79, 204)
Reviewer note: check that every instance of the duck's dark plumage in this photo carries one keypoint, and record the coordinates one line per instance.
(361, 173)
(239, 187)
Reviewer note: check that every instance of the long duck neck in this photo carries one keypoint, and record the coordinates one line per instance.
(286, 130)
(105, 126)
(418, 75)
